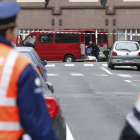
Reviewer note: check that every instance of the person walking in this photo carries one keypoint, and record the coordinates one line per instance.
(22, 107)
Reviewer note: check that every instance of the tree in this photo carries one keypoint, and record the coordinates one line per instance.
(103, 2)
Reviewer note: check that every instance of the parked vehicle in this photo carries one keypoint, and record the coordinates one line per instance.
(124, 53)
(63, 45)
(54, 108)
(30, 53)
(107, 51)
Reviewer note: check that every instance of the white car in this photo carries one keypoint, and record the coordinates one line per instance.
(124, 53)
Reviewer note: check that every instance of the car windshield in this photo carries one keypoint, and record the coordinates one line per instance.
(28, 55)
(127, 47)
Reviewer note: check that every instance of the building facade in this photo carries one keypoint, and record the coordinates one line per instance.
(119, 16)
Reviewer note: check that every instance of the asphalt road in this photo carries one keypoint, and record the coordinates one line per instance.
(94, 99)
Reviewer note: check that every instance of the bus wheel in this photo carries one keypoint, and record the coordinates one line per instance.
(69, 58)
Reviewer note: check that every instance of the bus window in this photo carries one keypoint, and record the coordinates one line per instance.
(30, 41)
(66, 38)
(82, 38)
(45, 39)
(88, 38)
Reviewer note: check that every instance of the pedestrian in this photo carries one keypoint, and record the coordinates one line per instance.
(95, 49)
(22, 107)
(131, 131)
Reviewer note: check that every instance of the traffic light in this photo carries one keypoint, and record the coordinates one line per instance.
(103, 2)
(46, 3)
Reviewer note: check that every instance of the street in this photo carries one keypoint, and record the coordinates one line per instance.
(94, 99)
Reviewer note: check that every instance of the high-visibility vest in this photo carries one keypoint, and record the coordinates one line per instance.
(12, 65)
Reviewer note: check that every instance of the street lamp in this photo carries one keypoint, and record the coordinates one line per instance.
(103, 2)
(46, 3)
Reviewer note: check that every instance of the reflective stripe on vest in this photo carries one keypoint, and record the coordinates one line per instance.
(4, 101)
(133, 122)
(10, 126)
(6, 76)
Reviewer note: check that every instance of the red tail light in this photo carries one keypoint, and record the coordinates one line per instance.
(114, 54)
(38, 67)
(139, 54)
(53, 107)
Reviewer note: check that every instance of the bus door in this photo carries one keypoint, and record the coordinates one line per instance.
(102, 40)
(89, 36)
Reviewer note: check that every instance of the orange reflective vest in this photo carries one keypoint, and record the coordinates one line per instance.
(12, 65)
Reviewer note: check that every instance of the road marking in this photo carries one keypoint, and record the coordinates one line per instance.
(124, 75)
(77, 74)
(68, 134)
(105, 65)
(50, 74)
(50, 65)
(88, 65)
(101, 75)
(128, 81)
(69, 65)
(106, 70)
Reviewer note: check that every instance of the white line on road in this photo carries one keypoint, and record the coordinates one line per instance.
(69, 65)
(105, 65)
(106, 70)
(128, 81)
(49, 74)
(124, 75)
(50, 65)
(88, 65)
(101, 75)
(68, 134)
(77, 74)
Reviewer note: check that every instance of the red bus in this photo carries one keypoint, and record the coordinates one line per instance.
(63, 45)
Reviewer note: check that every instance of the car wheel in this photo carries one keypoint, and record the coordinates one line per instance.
(138, 67)
(69, 58)
(111, 66)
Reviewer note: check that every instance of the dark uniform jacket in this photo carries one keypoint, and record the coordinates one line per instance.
(95, 49)
(131, 130)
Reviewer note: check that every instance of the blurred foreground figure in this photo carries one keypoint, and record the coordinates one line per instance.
(131, 130)
(22, 107)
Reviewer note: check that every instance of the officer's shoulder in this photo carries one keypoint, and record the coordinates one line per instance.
(21, 57)
(22, 62)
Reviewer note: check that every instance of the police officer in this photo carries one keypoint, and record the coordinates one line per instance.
(22, 107)
(131, 130)
(95, 49)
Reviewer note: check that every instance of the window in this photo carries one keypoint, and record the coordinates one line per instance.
(129, 34)
(30, 40)
(127, 46)
(121, 35)
(26, 32)
(45, 39)
(82, 37)
(66, 38)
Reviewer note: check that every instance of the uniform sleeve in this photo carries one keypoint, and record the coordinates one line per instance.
(131, 130)
(33, 112)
